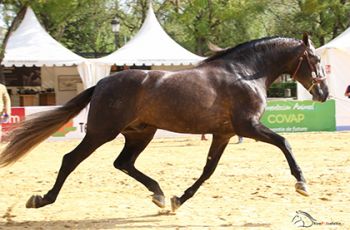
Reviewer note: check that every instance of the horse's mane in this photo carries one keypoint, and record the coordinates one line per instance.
(249, 47)
(307, 215)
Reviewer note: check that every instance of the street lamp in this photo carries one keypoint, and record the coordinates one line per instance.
(116, 28)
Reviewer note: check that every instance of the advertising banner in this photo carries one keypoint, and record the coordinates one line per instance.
(17, 115)
(75, 128)
(300, 116)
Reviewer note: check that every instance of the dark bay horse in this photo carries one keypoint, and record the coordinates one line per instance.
(224, 95)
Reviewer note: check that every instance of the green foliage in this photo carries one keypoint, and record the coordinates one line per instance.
(202, 21)
(323, 19)
(278, 89)
(84, 25)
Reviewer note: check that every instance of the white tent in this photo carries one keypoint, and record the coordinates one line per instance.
(335, 57)
(151, 46)
(31, 45)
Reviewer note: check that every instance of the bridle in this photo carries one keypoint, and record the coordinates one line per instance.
(316, 79)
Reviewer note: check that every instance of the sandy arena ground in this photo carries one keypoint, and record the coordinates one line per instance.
(251, 189)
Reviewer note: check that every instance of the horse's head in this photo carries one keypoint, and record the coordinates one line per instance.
(309, 71)
(303, 219)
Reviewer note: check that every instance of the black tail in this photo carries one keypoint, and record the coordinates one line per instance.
(33, 131)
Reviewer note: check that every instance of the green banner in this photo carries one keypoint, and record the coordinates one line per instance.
(300, 116)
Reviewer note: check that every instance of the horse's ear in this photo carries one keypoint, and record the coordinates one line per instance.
(306, 39)
(215, 48)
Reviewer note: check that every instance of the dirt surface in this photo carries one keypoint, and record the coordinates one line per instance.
(251, 189)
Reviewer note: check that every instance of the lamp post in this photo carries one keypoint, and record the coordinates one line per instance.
(116, 28)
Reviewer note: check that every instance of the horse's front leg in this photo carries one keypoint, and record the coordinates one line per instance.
(259, 132)
(217, 147)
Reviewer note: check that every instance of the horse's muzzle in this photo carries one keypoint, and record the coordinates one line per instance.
(321, 97)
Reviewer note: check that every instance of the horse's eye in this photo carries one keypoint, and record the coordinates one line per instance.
(315, 59)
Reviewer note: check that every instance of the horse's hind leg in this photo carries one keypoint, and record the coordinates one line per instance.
(70, 161)
(217, 147)
(135, 143)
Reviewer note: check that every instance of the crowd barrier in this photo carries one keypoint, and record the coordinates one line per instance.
(280, 116)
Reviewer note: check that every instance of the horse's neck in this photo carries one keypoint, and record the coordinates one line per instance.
(264, 65)
(274, 63)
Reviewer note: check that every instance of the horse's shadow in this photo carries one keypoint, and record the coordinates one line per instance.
(137, 222)
(109, 223)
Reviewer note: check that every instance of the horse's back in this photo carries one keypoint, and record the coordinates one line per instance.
(180, 101)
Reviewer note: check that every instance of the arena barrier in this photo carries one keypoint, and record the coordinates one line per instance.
(280, 116)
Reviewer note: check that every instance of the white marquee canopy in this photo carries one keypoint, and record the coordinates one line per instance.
(151, 46)
(31, 45)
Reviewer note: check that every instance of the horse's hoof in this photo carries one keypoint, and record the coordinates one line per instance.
(159, 200)
(175, 203)
(301, 188)
(33, 201)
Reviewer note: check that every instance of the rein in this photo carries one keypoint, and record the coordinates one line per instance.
(315, 77)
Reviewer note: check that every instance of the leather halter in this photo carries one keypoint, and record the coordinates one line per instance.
(316, 79)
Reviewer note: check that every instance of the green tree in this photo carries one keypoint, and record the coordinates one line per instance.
(222, 22)
(323, 19)
(84, 25)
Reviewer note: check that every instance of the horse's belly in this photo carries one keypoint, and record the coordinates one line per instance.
(192, 123)
(222, 128)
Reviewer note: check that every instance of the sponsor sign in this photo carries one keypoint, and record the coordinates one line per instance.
(75, 128)
(300, 116)
(17, 115)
